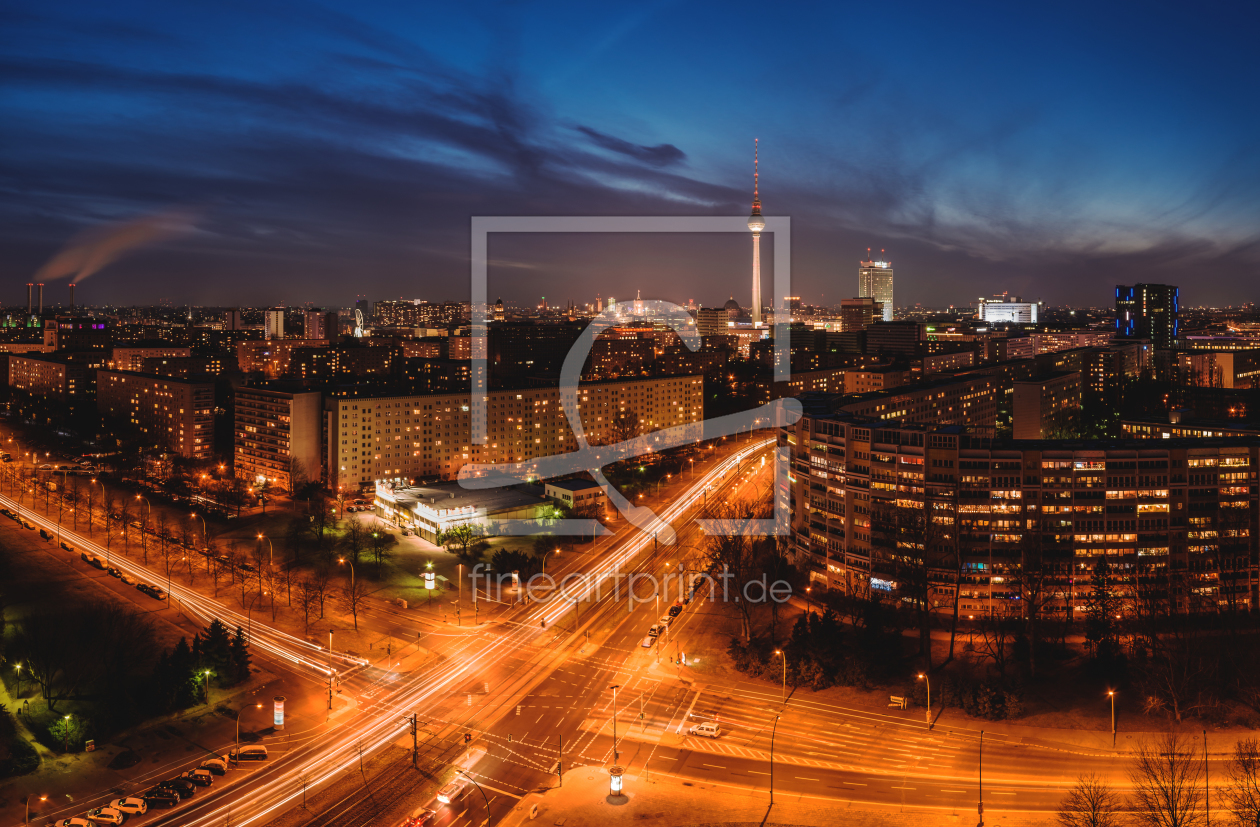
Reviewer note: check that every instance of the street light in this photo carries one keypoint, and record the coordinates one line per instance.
(197, 516)
(271, 559)
(66, 731)
(923, 677)
(1111, 693)
(544, 558)
(237, 754)
(27, 819)
(483, 794)
(779, 652)
(351, 562)
(207, 674)
(614, 689)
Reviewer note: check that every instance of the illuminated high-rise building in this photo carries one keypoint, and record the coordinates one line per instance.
(756, 223)
(275, 323)
(875, 281)
(1148, 311)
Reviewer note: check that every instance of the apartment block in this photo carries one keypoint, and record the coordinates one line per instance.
(132, 358)
(279, 436)
(1048, 407)
(371, 438)
(271, 357)
(176, 415)
(1175, 519)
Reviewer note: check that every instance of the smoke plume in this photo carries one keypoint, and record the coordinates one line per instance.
(93, 249)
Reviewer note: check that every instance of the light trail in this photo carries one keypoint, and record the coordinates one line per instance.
(275, 788)
(266, 638)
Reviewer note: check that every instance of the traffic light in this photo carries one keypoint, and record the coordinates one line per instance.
(467, 737)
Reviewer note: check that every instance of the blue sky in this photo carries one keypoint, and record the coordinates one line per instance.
(334, 150)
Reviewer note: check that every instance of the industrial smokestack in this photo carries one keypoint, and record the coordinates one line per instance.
(30, 294)
(71, 297)
(41, 298)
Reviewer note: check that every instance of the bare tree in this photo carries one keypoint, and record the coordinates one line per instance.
(1243, 791)
(1165, 777)
(320, 582)
(1090, 803)
(308, 598)
(731, 557)
(355, 540)
(353, 595)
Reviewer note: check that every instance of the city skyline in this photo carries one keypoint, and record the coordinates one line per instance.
(360, 151)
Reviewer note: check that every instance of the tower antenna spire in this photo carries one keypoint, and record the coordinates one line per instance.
(756, 204)
(756, 224)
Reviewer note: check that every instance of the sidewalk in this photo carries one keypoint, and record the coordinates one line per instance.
(665, 802)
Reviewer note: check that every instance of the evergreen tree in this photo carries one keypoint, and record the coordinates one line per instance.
(239, 657)
(183, 675)
(216, 654)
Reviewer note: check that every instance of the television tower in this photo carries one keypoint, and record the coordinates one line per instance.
(756, 223)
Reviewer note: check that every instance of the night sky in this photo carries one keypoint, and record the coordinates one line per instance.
(269, 152)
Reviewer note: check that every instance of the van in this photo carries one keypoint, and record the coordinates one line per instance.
(252, 753)
(708, 729)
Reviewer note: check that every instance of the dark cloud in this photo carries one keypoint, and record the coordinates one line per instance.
(660, 155)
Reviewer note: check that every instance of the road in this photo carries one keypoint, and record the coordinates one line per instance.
(531, 685)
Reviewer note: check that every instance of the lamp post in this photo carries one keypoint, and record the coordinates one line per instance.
(237, 754)
(197, 516)
(66, 732)
(271, 556)
(483, 794)
(351, 562)
(206, 673)
(27, 819)
(773, 730)
(544, 558)
(923, 677)
(330, 669)
(18, 667)
(614, 689)
(1111, 693)
(249, 619)
(779, 653)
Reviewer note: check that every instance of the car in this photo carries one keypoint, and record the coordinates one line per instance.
(647, 642)
(655, 630)
(200, 777)
(127, 578)
(708, 729)
(67, 546)
(29, 525)
(130, 806)
(453, 791)
(666, 621)
(44, 534)
(152, 591)
(675, 610)
(74, 822)
(106, 815)
(252, 753)
(113, 572)
(160, 798)
(180, 786)
(419, 819)
(216, 765)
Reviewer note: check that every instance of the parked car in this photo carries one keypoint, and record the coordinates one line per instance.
(67, 546)
(113, 572)
(180, 786)
(647, 642)
(130, 806)
(216, 765)
(127, 578)
(675, 610)
(152, 591)
(656, 629)
(44, 534)
(453, 791)
(708, 729)
(200, 777)
(160, 798)
(251, 753)
(106, 815)
(74, 822)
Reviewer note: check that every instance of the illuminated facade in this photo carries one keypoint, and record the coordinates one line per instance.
(875, 505)
(875, 281)
(176, 415)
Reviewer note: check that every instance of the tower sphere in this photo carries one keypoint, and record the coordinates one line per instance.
(756, 223)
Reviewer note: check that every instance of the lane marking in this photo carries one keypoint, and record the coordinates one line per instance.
(722, 768)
